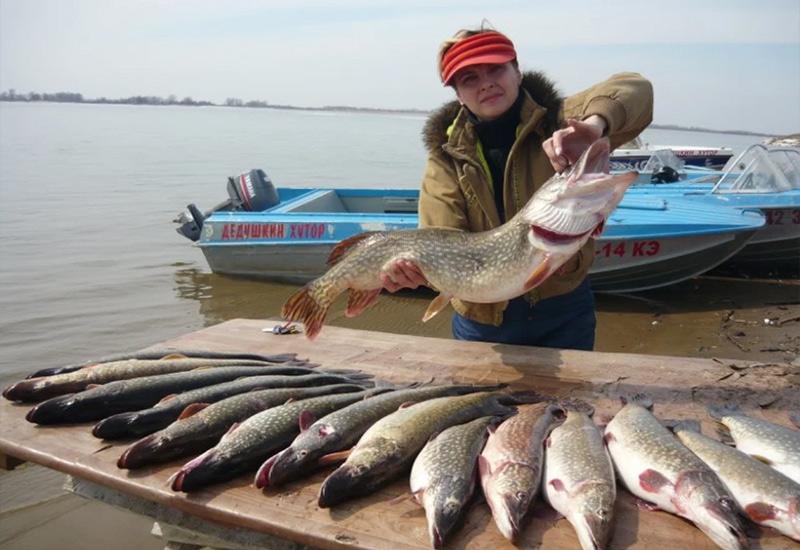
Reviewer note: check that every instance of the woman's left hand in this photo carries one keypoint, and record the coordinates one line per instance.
(567, 145)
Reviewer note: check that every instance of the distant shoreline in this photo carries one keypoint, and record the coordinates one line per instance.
(69, 97)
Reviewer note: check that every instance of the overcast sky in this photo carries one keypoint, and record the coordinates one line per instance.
(728, 64)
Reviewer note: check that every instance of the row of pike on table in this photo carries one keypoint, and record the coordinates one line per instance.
(280, 417)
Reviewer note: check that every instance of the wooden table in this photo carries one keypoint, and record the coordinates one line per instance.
(679, 386)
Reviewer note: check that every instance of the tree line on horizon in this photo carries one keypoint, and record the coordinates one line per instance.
(74, 97)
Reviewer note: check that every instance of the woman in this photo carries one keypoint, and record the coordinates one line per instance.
(490, 150)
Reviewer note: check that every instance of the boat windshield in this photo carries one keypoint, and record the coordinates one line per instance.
(759, 169)
(635, 143)
(663, 158)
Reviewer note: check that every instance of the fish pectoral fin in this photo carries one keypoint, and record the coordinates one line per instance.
(652, 481)
(400, 499)
(763, 459)
(306, 419)
(539, 275)
(760, 511)
(171, 356)
(645, 505)
(437, 305)
(359, 300)
(192, 409)
(333, 458)
(93, 386)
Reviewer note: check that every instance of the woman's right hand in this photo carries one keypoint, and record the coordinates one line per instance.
(402, 274)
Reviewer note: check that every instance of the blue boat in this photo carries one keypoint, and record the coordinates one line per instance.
(763, 178)
(647, 242)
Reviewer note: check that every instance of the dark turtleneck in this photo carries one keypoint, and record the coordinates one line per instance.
(497, 136)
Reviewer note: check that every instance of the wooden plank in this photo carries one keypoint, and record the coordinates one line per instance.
(680, 386)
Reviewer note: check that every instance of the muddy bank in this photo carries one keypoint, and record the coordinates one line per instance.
(712, 316)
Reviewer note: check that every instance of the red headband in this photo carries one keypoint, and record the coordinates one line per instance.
(486, 47)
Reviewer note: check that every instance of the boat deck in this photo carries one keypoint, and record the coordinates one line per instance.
(680, 388)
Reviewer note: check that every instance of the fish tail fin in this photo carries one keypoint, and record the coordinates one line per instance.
(309, 306)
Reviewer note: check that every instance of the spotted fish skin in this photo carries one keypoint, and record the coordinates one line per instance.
(166, 411)
(656, 467)
(482, 267)
(38, 389)
(388, 448)
(247, 445)
(511, 464)
(443, 475)
(579, 479)
(342, 429)
(205, 428)
(770, 443)
(765, 495)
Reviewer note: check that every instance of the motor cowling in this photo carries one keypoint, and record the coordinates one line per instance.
(252, 191)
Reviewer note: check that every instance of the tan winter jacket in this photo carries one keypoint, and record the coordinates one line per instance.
(456, 188)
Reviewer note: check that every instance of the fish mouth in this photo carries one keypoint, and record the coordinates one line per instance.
(281, 468)
(52, 411)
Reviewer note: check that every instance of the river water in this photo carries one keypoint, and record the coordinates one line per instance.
(90, 263)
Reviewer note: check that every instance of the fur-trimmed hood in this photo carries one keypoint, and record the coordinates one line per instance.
(539, 87)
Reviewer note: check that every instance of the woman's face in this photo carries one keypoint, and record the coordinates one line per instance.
(488, 90)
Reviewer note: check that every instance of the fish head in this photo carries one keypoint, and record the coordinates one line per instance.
(572, 206)
(593, 517)
(509, 497)
(365, 470)
(444, 508)
(709, 505)
(290, 463)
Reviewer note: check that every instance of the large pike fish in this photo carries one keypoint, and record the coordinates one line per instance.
(579, 479)
(203, 429)
(38, 389)
(185, 404)
(166, 353)
(326, 440)
(484, 267)
(443, 475)
(766, 496)
(657, 468)
(248, 444)
(139, 393)
(510, 465)
(770, 443)
(390, 445)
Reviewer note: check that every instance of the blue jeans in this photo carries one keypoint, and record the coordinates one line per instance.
(565, 321)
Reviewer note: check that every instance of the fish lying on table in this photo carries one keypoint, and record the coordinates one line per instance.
(579, 479)
(248, 444)
(657, 468)
(510, 464)
(139, 393)
(326, 440)
(166, 353)
(770, 443)
(765, 495)
(203, 429)
(39, 389)
(443, 475)
(171, 408)
(389, 446)
(483, 267)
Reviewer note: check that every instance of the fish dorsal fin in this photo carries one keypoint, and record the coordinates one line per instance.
(436, 305)
(333, 458)
(343, 247)
(192, 409)
(171, 356)
(167, 398)
(407, 404)
(539, 274)
(232, 428)
(93, 386)
(306, 419)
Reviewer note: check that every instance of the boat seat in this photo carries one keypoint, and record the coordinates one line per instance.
(323, 200)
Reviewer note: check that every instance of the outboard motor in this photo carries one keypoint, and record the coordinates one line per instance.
(251, 192)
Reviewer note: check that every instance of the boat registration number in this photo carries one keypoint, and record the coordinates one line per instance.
(632, 248)
(783, 217)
